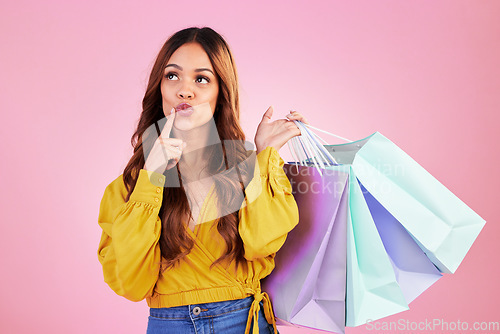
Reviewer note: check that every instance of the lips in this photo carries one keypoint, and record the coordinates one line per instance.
(184, 109)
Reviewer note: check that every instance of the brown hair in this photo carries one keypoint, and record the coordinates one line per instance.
(175, 242)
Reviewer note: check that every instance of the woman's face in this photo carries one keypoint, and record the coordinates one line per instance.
(189, 85)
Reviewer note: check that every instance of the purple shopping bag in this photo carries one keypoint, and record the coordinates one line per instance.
(307, 286)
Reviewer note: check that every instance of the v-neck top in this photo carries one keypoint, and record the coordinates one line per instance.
(129, 249)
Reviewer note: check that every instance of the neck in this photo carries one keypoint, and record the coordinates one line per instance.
(194, 159)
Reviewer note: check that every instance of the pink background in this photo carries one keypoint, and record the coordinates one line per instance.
(426, 74)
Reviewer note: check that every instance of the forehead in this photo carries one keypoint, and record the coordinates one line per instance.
(190, 56)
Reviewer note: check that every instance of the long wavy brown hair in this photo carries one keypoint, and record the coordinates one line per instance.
(175, 242)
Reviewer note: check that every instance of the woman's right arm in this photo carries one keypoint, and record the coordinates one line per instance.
(129, 249)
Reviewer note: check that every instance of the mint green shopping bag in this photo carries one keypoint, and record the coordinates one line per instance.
(372, 290)
(440, 223)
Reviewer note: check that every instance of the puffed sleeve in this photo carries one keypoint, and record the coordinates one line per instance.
(129, 251)
(270, 210)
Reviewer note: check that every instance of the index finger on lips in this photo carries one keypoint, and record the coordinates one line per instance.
(165, 133)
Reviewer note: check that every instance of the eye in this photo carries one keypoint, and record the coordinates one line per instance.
(171, 76)
(200, 78)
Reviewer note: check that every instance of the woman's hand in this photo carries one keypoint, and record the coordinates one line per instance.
(276, 133)
(166, 151)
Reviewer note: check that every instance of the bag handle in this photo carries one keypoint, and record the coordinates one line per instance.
(307, 146)
(328, 133)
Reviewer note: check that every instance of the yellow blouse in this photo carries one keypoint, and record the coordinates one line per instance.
(129, 249)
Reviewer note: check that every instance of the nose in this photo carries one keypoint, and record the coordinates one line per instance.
(185, 92)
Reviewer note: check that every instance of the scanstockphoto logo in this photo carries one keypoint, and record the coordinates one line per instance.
(235, 168)
(433, 325)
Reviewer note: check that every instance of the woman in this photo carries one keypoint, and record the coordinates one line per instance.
(195, 220)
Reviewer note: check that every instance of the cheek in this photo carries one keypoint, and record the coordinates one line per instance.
(165, 91)
(215, 95)
(164, 94)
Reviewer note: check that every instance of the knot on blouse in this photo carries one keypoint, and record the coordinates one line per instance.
(255, 308)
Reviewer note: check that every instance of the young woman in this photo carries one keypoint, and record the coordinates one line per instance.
(194, 222)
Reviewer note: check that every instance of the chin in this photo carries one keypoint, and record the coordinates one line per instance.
(186, 125)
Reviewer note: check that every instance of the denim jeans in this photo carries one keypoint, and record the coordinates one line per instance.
(209, 318)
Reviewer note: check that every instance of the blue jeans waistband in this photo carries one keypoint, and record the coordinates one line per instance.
(207, 309)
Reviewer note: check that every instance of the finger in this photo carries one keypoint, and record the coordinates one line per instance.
(290, 133)
(281, 121)
(294, 113)
(285, 136)
(292, 128)
(268, 114)
(172, 163)
(171, 141)
(297, 117)
(174, 152)
(165, 133)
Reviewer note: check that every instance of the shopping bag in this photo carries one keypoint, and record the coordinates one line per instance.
(414, 271)
(372, 288)
(307, 286)
(440, 223)
(403, 228)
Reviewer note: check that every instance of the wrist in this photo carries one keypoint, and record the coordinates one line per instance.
(261, 146)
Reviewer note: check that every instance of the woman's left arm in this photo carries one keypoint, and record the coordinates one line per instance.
(270, 211)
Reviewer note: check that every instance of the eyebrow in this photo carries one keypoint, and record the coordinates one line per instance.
(196, 70)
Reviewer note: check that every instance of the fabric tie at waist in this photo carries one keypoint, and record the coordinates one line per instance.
(255, 308)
